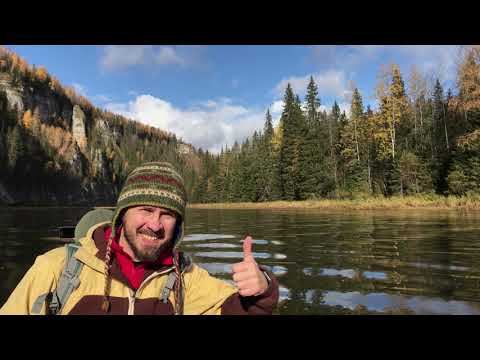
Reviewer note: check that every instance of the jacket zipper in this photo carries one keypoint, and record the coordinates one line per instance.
(133, 293)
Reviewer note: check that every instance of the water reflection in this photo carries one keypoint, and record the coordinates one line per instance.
(226, 254)
(380, 302)
(327, 262)
(202, 237)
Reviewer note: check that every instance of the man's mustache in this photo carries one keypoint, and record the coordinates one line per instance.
(159, 234)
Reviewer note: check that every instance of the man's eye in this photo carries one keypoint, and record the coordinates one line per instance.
(147, 210)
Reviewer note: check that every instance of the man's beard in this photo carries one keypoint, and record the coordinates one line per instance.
(146, 253)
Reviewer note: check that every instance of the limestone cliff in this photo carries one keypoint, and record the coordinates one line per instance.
(57, 148)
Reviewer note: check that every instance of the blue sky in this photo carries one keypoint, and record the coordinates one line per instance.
(211, 96)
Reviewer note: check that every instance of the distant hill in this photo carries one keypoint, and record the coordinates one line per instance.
(56, 148)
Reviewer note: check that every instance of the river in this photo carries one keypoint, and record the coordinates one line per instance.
(327, 262)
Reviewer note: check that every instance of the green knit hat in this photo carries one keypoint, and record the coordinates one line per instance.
(155, 184)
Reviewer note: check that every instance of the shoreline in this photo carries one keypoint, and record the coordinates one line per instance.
(393, 203)
(431, 202)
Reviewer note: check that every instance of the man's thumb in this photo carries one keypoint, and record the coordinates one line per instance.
(247, 248)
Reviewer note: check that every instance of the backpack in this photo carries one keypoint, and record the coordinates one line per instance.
(69, 278)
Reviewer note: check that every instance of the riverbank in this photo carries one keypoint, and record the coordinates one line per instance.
(393, 203)
(430, 202)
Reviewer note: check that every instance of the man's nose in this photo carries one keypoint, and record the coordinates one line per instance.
(154, 223)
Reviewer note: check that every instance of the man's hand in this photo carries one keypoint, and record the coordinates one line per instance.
(248, 277)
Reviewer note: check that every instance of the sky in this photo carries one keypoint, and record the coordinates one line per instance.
(211, 96)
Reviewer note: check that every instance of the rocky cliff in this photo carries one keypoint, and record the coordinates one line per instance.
(56, 148)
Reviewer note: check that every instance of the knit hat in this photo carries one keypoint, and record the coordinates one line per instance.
(155, 184)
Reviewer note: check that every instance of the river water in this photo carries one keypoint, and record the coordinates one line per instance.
(327, 262)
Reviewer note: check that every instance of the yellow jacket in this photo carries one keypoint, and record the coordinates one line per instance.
(203, 294)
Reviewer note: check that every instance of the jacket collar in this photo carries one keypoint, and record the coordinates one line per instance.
(93, 250)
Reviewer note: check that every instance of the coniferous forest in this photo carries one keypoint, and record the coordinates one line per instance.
(422, 139)
(56, 147)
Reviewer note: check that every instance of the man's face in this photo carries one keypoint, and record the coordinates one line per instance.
(147, 231)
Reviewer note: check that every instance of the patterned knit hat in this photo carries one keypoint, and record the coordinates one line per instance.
(155, 184)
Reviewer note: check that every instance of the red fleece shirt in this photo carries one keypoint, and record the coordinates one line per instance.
(135, 271)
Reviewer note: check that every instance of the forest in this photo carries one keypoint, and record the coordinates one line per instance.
(421, 139)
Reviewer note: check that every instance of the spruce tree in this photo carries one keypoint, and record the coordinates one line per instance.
(313, 148)
(266, 160)
(289, 147)
(354, 148)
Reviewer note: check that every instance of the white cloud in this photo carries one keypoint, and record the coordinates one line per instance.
(167, 55)
(345, 57)
(344, 106)
(122, 56)
(439, 59)
(276, 111)
(118, 56)
(436, 60)
(329, 83)
(210, 125)
(277, 107)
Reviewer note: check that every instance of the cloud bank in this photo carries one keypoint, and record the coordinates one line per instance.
(210, 124)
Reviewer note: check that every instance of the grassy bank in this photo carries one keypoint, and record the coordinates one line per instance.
(407, 202)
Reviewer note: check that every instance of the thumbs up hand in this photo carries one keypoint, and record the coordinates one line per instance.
(248, 277)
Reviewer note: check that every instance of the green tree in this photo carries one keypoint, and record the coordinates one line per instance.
(412, 176)
(355, 143)
(15, 147)
(313, 145)
(289, 151)
(464, 174)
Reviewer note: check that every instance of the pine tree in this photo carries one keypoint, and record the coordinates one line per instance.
(351, 132)
(464, 174)
(411, 175)
(267, 161)
(313, 147)
(312, 104)
(354, 144)
(289, 146)
(330, 181)
(439, 121)
(268, 127)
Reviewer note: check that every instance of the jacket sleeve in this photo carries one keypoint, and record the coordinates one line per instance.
(39, 280)
(263, 304)
(205, 294)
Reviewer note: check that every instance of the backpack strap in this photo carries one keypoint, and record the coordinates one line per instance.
(185, 265)
(186, 262)
(172, 277)
(68, 282)
(37, 305)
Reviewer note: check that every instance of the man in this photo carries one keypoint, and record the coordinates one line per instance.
(130, 264)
